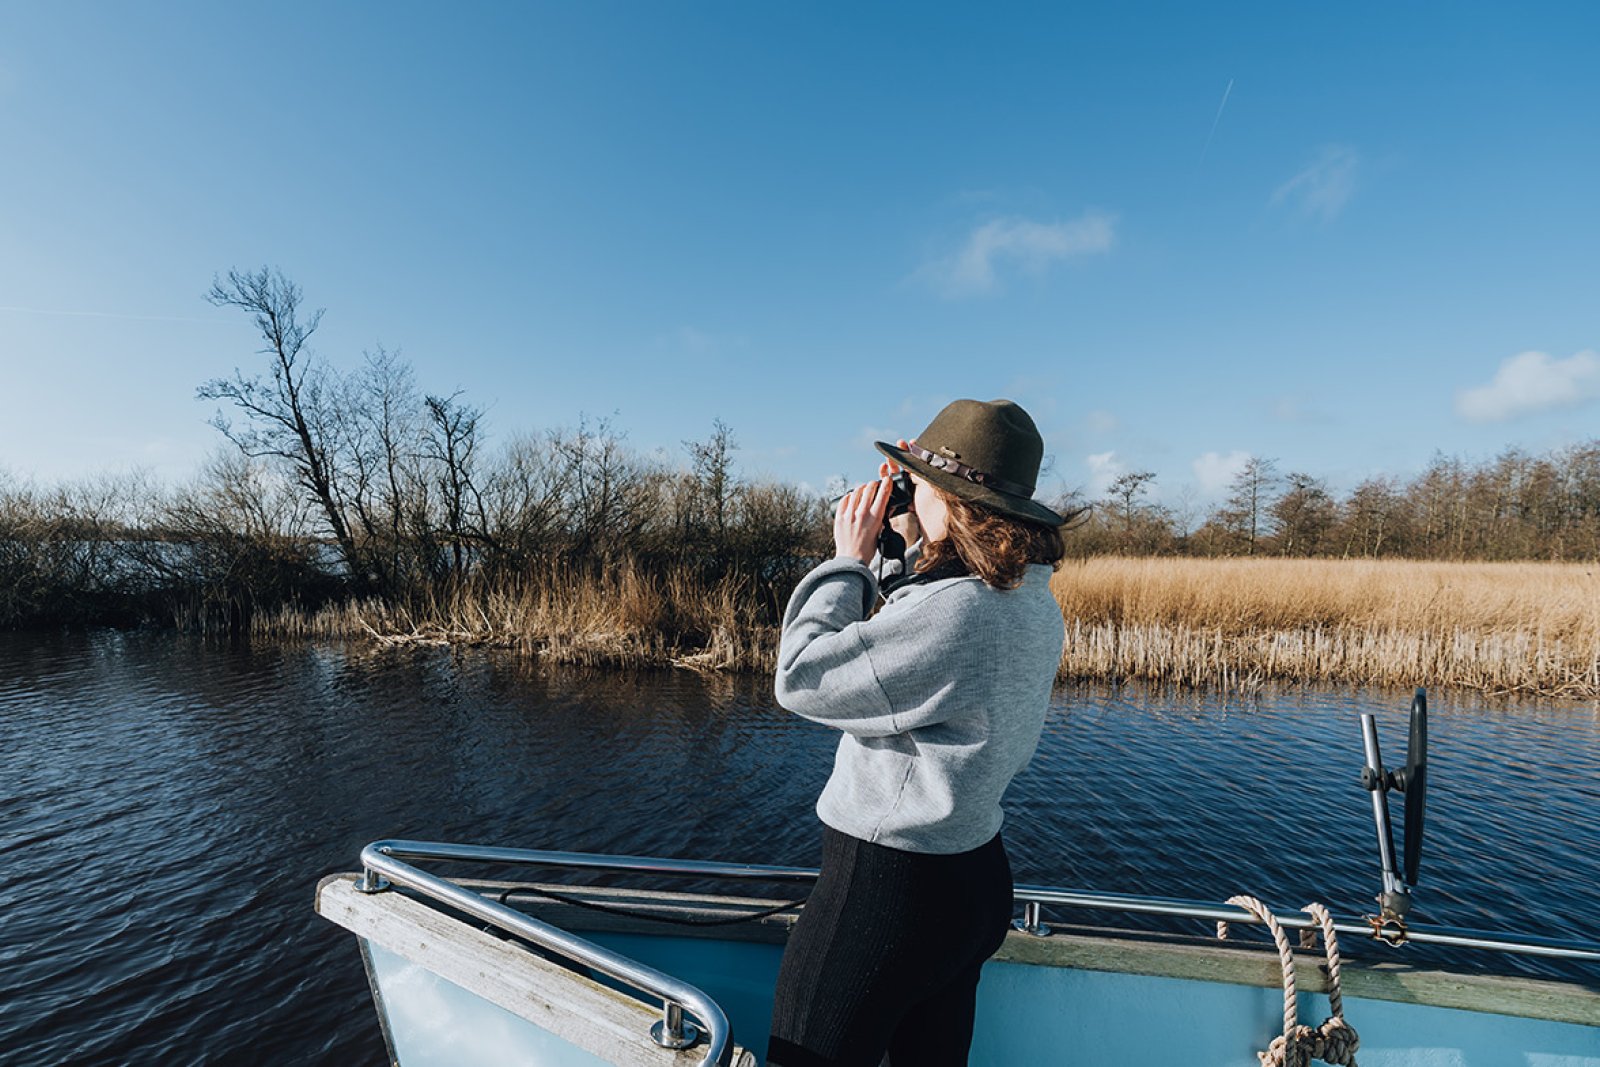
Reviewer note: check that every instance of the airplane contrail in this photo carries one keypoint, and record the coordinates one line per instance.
(1216, 120)
(105, 315)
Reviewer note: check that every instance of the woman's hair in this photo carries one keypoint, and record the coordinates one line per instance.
(995, 547)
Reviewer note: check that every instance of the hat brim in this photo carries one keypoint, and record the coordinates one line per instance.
(1017, 507)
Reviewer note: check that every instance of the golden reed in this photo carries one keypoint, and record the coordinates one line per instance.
(1530, 628)
(1497, 627)
(622, 617)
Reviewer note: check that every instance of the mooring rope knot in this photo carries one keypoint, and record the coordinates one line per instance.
(1335, 1041)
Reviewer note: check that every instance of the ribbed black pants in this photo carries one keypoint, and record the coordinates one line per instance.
(885, 956)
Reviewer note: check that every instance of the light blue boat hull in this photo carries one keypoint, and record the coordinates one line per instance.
(1031, 1014)
(449, 993)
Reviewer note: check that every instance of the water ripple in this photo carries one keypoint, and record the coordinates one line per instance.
(168, 806)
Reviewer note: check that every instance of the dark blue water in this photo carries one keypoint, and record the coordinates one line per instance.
(166, 808)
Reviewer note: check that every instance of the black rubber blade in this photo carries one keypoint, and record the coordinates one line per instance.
(1416, 778)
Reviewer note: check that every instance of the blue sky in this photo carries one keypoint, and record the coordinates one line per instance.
(1343, 237)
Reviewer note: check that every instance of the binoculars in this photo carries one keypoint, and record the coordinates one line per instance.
(900, 494)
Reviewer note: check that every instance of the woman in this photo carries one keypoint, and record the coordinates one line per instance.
(941, 696)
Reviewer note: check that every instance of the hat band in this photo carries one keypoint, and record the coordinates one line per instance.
(961, 470)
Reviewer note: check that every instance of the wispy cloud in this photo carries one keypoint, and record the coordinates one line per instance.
(1214, 470)
(1532, 382)
(1225, 94)
(1100, 422)
(1294, 410)
(869, 435)
(698, 342)
(1324, 187)
(1019, 244)
(1104, 468)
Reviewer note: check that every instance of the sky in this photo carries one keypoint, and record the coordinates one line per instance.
(1343, 237)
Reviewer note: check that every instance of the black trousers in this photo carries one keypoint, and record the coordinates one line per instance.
(885, 956)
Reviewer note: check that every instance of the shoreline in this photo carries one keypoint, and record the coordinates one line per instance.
(1234, 625)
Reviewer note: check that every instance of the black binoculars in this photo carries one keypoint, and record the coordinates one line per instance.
(900, 494)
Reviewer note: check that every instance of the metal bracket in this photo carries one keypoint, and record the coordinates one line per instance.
(1390, 929)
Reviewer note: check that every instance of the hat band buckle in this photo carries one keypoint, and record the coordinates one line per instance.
(971, 474)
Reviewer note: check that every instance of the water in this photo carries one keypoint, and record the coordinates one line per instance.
(167, 806)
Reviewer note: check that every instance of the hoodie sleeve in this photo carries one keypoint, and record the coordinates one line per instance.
(868, 677)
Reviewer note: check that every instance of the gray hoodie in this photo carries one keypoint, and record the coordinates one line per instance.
(941, 697)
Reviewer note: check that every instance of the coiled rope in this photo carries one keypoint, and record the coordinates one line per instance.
(1335, 1041)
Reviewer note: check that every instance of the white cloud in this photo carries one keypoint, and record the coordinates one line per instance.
(1214, 470)
(1531, 382)
(1325, 186)
(1019, 243)
(1104, 468)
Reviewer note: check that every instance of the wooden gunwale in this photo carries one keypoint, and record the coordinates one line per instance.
(1252, 963)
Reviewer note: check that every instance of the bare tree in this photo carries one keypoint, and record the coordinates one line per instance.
(1303, 515)
(451, 442)
(1373, 518)
(1245, 513)
(524, 497)
(288, 413)
(1124, 494)
(713, 487)
(605, 490)
(232, 542)
(382, 447)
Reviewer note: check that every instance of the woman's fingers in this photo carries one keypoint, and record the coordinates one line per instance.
(860, 518)
(890, 467)
(880, 498)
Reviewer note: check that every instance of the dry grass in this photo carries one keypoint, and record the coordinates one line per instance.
(624, 618)
(1498, 627)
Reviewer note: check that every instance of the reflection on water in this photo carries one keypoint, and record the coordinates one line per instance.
(167, 806)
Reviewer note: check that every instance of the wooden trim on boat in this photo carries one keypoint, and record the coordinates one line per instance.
(1257, 965)
(1252, 963)
(593, 1016)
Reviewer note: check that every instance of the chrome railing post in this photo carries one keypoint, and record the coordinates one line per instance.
(1032, 921)
(674, 1031)
(370, 881)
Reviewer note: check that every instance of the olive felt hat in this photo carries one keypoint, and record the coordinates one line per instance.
(986, 453)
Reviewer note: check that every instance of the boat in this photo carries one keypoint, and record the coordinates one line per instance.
(570, 959)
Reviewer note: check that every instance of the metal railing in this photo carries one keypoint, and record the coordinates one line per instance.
(1445, 936)
(385, 860)
(383, 866)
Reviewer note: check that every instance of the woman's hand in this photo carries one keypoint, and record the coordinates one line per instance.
(889, 466)
(859, 519)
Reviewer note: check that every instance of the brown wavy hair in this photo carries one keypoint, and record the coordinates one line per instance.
(995, 547)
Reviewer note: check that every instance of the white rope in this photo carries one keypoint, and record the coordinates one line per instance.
(1335, 1041)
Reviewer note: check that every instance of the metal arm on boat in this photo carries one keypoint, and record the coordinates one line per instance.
(1394, 902)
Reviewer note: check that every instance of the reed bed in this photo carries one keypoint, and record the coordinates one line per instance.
(1530, 628)
(623, 617)
(1495, 627)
